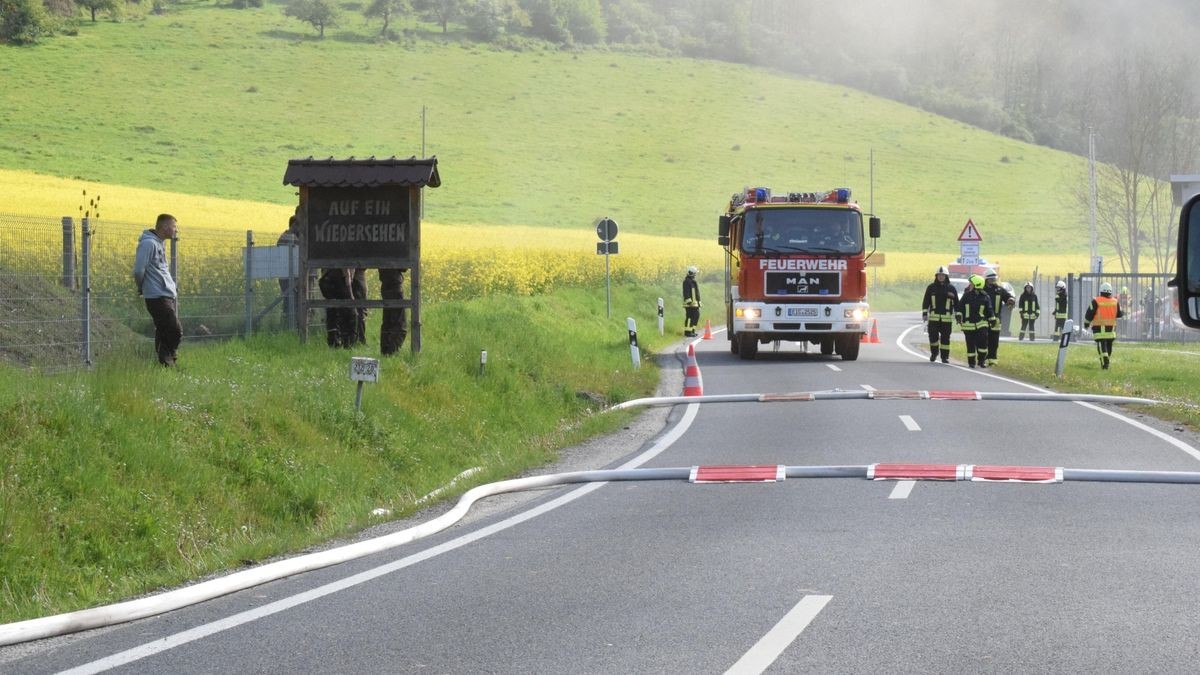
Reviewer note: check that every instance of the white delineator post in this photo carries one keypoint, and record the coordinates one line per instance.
(660, 316)
(1064, 341)
(635, 354)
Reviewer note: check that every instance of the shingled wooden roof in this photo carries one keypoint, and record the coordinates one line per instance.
(368, 172)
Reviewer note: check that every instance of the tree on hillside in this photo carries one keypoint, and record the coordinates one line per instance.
(386, 9)
(22, 22)
(1146, 111)
(110, 6)
(440, 11)
(318, 13)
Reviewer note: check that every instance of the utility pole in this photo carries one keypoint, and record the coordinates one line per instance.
(423, 155)
(1092, 198)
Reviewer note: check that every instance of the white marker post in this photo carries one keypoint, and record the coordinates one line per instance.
(660, 316)
(634, 352)
(363, 369)
(482, 361)
(1063, 342)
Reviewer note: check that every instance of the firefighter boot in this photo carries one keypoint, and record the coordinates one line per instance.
(933, 354)
(1104, 362)
(971, 361)
(945, 356)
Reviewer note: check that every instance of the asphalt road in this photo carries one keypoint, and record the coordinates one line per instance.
(805, 575)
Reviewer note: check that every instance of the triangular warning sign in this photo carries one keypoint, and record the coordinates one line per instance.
(970, 232)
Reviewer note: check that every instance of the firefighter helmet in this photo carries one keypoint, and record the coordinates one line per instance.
(942, 270)
(691, 270)
(992, 275)
(1106, 288)
(976, 281)
(1061, 285)
(1029, 285)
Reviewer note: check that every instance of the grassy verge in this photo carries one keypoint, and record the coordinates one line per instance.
(133, 477)
(1166, 372)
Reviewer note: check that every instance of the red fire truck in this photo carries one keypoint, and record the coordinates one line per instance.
(795, 270)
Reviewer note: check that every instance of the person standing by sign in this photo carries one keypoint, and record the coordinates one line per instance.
(152, 275)
(1101, 317)
(974, 314)
(358, 290)
(1060, 307)
(339, 321)
(691, 303)
(1030, 310)
(393, 331)
(938, 309)
(1000, 298)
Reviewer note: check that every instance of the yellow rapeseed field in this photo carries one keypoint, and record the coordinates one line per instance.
(458, 259)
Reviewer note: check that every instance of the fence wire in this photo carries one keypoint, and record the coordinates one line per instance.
(45, 323)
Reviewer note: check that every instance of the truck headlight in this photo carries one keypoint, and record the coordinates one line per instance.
(858, 313)
(748, 312)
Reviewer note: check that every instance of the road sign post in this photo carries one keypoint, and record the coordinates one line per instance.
(606, 229)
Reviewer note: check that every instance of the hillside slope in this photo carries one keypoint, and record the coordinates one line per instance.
(213, 101)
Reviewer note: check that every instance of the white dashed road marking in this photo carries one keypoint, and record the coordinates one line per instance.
(910, 423)
(765, 651)
(902, 490)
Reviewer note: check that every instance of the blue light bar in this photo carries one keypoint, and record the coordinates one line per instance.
(843, 195)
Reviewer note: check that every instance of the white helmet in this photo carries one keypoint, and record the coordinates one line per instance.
(691, 270)
(1061, 284)
(1106, 288)
(1029, 285)
(991, 275)
(942, 270)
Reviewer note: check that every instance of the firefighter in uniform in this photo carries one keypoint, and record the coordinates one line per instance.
(339, 321)
(938, 309)
(1101, 317)
(691, 303)
(1030, 309)
(1000, 297)
(393, 331)
(974, 313)
(1060, 307)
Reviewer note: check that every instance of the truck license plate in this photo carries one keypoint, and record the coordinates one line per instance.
(802, 311)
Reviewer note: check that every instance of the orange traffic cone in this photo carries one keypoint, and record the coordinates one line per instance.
(707, 329)
(693, 384)
(874, 331)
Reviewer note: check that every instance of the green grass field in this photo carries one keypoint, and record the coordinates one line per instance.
(122, 480)
(214, 101)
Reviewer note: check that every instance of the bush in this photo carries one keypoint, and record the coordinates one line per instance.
(23, 22)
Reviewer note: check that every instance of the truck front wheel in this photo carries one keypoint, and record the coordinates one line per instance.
(848, 347)
(748, 347)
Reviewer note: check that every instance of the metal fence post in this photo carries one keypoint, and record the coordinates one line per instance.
(86, 291)
(175, 271)
(68, 229)
(249, 282)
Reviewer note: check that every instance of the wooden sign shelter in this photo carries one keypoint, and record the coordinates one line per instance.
(362, 213)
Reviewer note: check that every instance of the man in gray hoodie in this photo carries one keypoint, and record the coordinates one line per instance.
(152, 275)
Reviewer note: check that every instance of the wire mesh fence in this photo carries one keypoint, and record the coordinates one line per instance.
(67, 295)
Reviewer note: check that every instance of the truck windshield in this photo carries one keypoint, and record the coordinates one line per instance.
(802, 230)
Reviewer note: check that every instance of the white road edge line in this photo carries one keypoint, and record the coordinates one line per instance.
(171, 641)
(903, 489)
(766, 650)
(1128, 420)
(910, 423)
(867, 387)
(833, 367)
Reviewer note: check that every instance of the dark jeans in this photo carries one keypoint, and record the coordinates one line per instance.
(167, 330)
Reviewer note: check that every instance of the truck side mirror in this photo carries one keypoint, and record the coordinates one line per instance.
(723, 230)
(873, 226)
(1187, 265)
